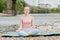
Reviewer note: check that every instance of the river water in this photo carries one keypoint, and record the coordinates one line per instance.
(38, 19)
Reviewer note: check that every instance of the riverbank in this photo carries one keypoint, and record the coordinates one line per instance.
(44, 22)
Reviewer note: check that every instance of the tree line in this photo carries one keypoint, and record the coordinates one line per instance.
(34, 9)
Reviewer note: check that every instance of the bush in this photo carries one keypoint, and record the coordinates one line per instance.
(43, 10)
(2, 5)
(39, 10)
(20, 4)
(55, 10)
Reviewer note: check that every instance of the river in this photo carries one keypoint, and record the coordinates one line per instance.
(38, 19)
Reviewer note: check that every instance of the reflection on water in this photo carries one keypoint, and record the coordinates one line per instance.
(39, 19)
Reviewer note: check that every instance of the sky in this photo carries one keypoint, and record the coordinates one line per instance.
(53, 3)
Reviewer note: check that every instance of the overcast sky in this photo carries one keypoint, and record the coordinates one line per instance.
(53, 3)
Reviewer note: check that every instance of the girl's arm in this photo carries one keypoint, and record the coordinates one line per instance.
(33, 25)
(20, 26)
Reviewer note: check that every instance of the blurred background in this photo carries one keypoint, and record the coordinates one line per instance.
(13, 7)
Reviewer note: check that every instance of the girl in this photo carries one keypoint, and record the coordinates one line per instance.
(27, 24)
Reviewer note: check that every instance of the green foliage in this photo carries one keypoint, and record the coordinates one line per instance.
(55, 10)
(20, 4)
(39, 10)
(43, 10)
(2, 5)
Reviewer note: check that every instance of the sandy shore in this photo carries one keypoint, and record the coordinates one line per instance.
(31, 38)
(43, 28)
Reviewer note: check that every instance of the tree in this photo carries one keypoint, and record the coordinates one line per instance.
(2, 5)
(20, 4)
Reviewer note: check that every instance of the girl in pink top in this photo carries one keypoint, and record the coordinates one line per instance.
(27, 24)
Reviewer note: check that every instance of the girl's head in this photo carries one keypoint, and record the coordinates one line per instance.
(26, 10)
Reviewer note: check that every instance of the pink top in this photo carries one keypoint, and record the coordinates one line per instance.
(26, 22)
